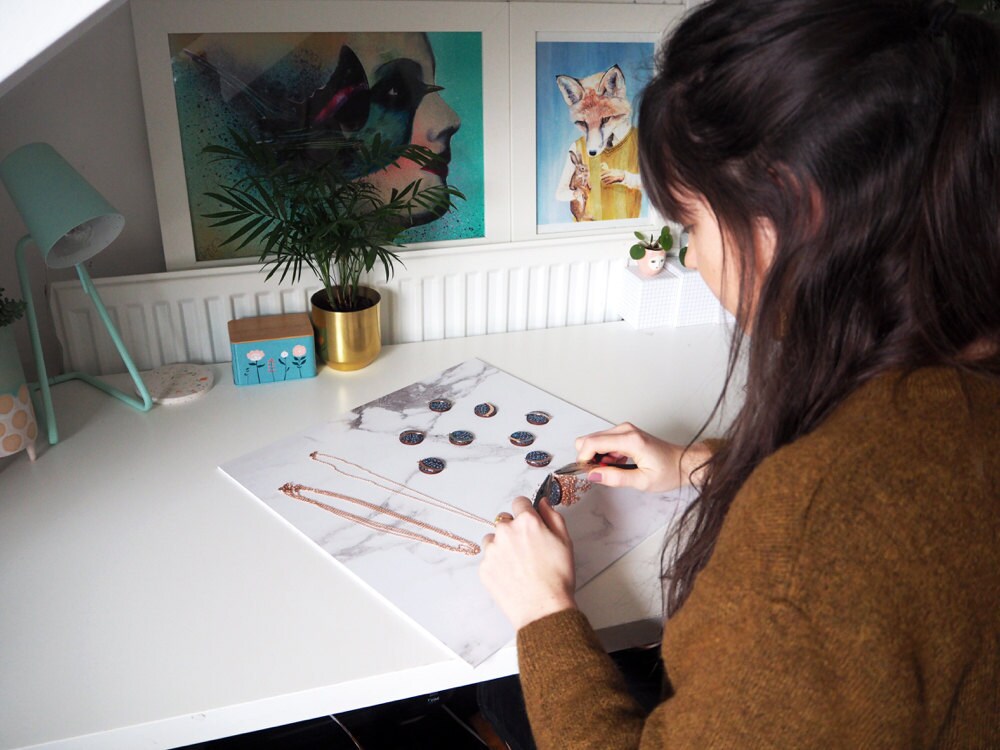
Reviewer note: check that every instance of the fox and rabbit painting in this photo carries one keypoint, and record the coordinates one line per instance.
(587, 155)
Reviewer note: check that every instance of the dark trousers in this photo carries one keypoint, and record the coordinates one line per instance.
(501, 702)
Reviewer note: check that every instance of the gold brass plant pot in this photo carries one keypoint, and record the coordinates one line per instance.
(347, 340)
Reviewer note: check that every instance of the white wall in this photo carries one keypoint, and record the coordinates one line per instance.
(87, 103)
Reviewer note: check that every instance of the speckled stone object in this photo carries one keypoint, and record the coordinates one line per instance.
(412, 437)
(431, 465)
(461, 437)
(485, 409)
(538, 458)
(522, 438)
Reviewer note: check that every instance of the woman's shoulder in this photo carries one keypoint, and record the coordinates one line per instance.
(908, 466)
(898, 426)
(938, 424)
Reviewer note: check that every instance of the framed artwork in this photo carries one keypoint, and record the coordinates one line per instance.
(578, 76)
(429, 73)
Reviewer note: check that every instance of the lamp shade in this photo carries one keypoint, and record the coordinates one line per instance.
(66, 217)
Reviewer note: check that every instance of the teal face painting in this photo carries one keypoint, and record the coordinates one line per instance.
(414, 87)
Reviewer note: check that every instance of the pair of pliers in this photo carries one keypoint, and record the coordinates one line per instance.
(550, 487)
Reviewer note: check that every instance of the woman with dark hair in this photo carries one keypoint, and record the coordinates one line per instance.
(837, 581)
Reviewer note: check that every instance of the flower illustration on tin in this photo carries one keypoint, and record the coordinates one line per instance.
(299, 357)
(255, 356)
(283, 363)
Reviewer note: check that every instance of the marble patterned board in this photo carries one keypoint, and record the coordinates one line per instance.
(438, 589)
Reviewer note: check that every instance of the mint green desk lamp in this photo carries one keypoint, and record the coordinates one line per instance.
(69, 222)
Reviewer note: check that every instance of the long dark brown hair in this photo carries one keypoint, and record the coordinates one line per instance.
(868, 133)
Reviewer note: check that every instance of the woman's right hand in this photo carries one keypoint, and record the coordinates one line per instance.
(662, 466)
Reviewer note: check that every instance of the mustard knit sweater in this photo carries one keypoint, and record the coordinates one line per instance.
(852, 601)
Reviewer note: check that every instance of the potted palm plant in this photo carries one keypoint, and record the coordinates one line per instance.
(310, 203)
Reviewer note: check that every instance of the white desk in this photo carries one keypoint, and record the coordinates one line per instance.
(147, 601)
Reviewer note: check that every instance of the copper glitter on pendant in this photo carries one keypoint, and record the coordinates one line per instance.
(485, 409)
(431, 465)
(440, 405)
(412, 437)
(461, 437)
(566, 489)
(522, 438)
(538, 458)
(538, 417)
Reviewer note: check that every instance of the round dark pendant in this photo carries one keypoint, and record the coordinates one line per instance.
(411, 437)
(431, 465)
(538, 417)
(440, 404)
(555, 492)
(461, 437)
(522, 438)
(485, 410)
(538, 458)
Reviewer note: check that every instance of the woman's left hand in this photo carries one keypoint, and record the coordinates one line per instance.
(528, 564)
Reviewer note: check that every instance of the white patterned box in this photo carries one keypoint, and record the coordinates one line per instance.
(675, 297)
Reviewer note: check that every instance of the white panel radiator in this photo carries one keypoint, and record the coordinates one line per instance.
(182, 316)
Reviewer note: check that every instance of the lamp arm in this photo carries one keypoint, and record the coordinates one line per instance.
(36, 341)
(44, 381)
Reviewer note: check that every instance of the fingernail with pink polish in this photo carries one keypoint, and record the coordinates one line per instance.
(594, 476)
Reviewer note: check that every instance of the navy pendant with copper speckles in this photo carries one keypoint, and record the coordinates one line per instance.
(461, 437)
(440, 404)
(522, 438)
(555, 491)
(485, 409)
(538, 458)
(431, 465)
(412, 437)
(538, 417)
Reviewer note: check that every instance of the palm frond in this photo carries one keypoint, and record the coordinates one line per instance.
(319, 213)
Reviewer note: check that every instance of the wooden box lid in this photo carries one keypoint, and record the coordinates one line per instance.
(268, 327)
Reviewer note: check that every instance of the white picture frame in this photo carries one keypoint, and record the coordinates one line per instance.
(154, 20)
(534, 22)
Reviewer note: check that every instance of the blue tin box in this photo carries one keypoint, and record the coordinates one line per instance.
(272, 349)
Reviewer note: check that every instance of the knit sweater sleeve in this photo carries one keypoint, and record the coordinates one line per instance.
(737, 671)
(574, 694)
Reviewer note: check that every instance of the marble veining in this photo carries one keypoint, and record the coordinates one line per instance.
(440, 590)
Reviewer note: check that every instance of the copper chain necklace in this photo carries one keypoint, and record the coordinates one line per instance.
(463, 545)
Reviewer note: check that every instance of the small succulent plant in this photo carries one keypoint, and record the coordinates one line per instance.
(664, 242)
(10, 309)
